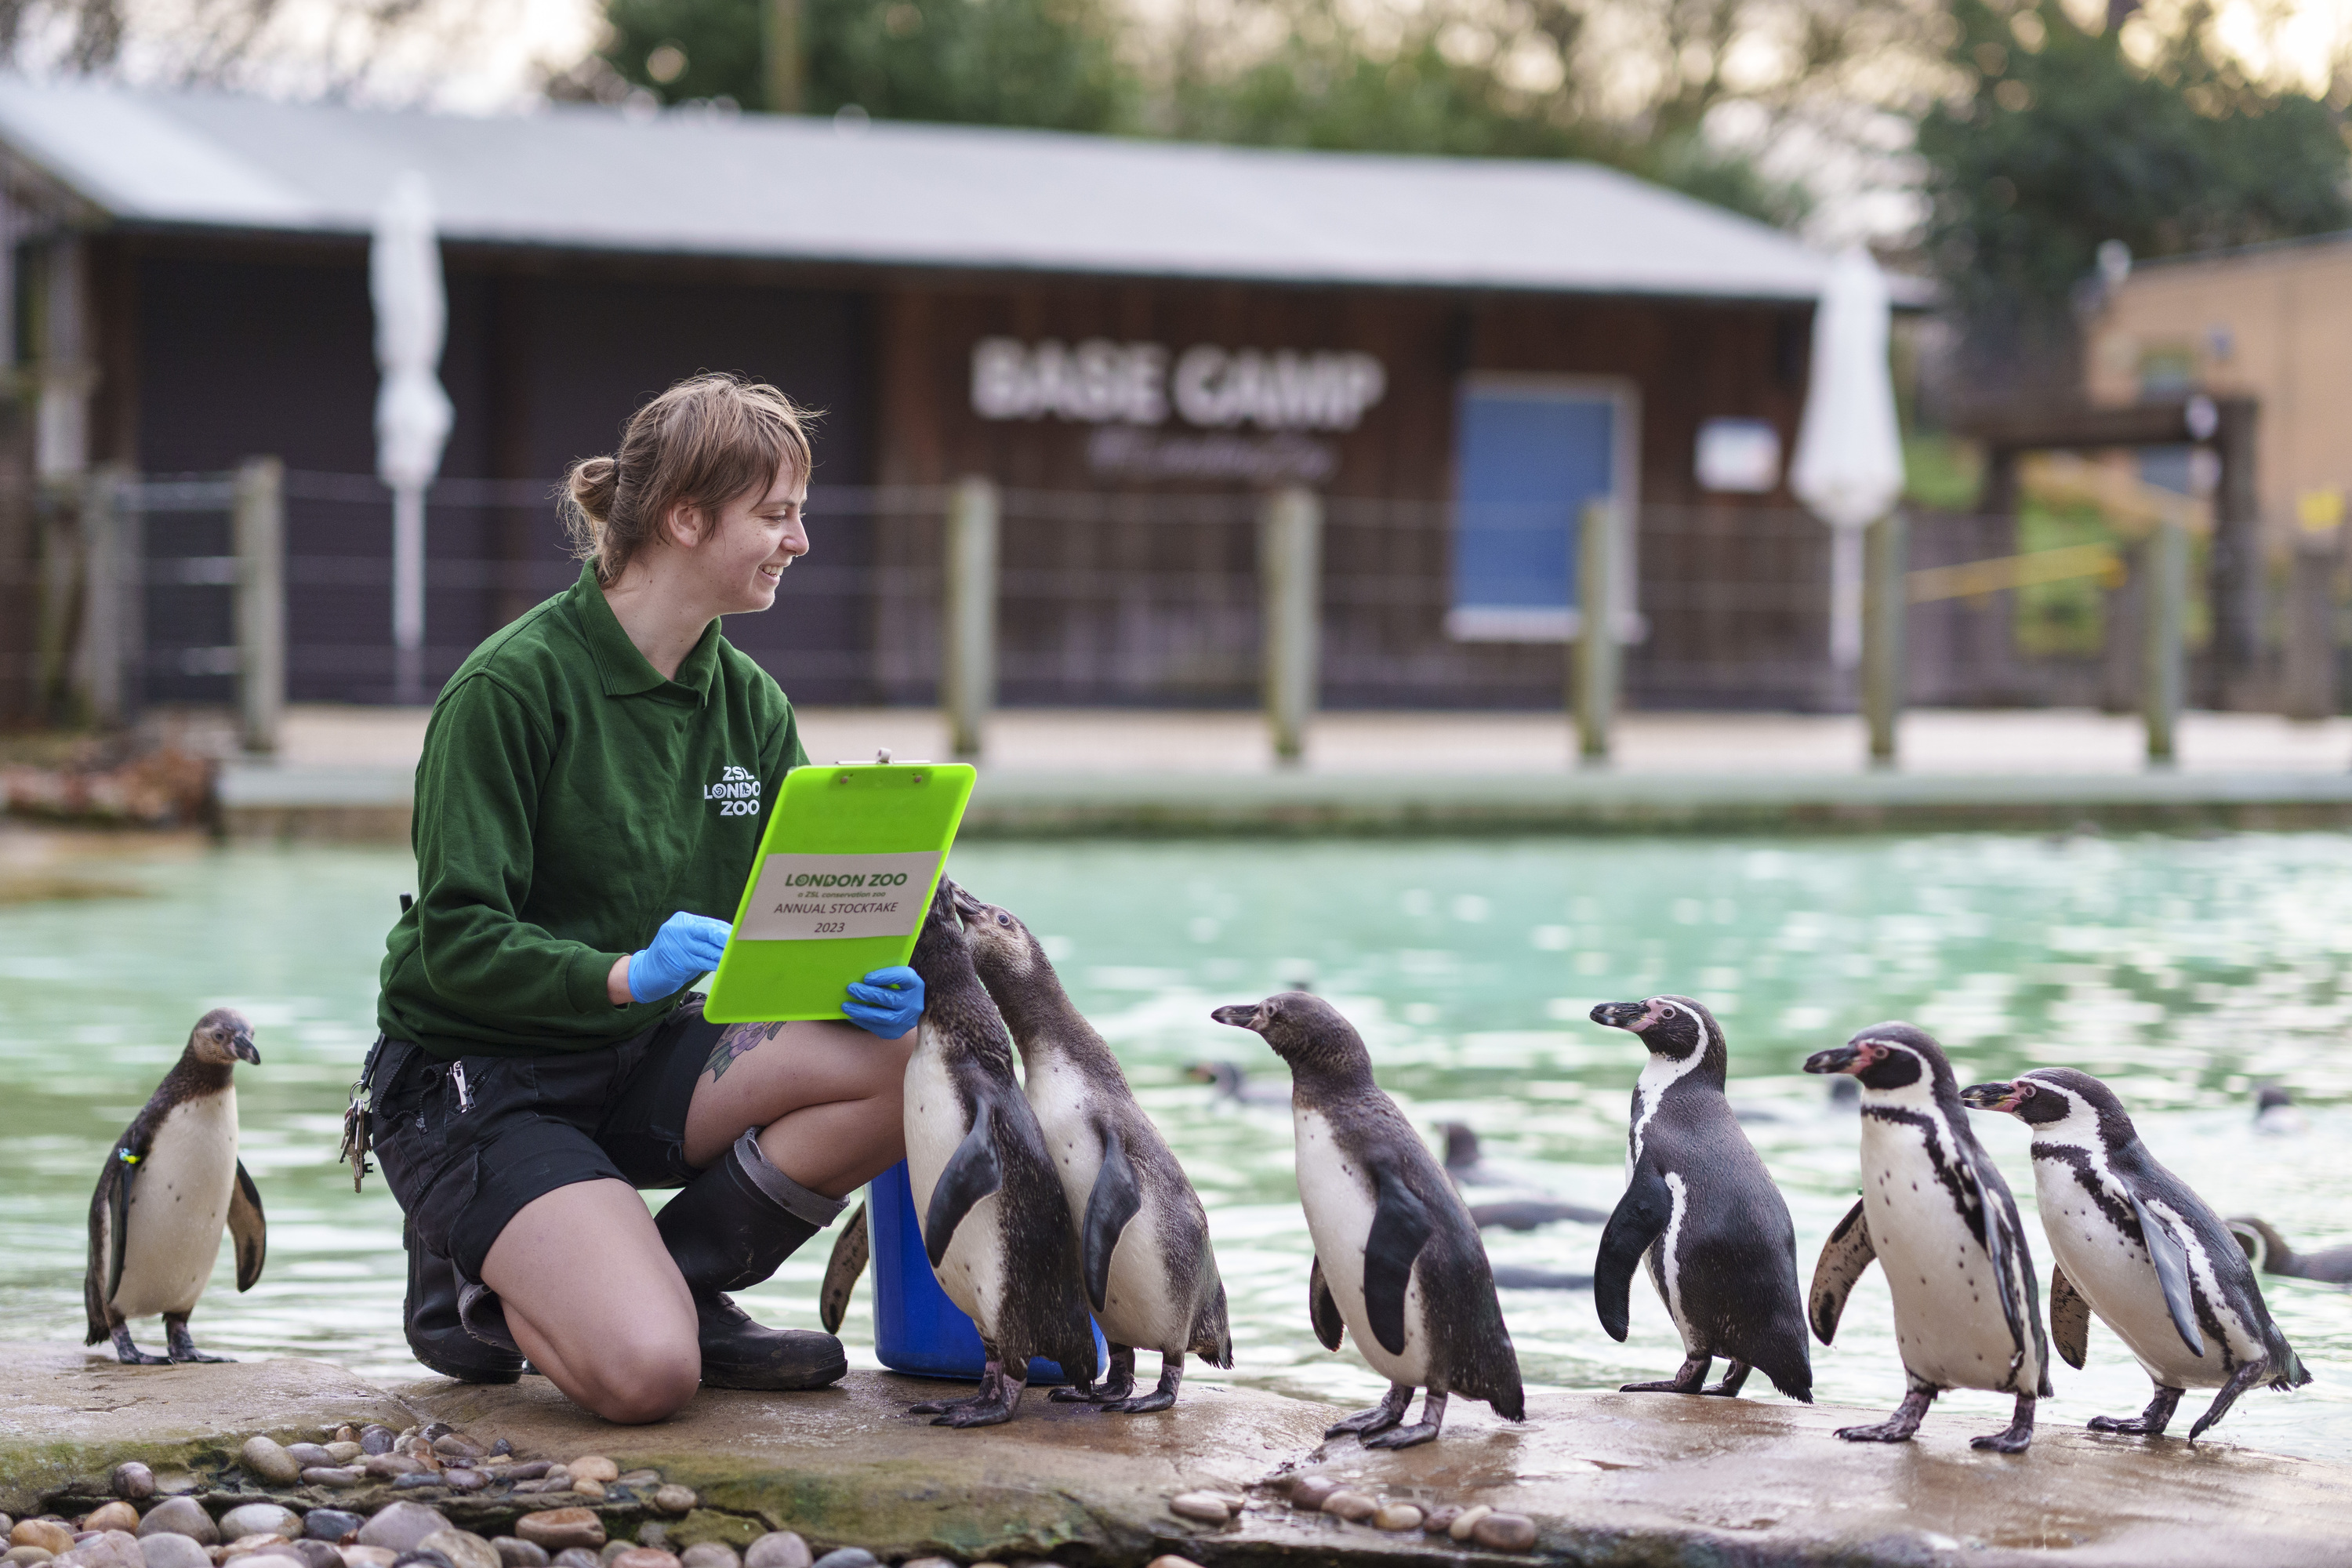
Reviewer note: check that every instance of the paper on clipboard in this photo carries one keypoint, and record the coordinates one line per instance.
(810, 898)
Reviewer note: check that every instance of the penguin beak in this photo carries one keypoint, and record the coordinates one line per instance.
(1837, 1058)
(242, 1044)
(1993, 1096)
(966, 905)
(1622, 1015)
(1241, 1014)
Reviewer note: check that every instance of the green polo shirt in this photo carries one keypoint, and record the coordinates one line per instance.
(568, 801)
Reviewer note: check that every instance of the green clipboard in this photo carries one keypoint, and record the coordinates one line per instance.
(844, 873)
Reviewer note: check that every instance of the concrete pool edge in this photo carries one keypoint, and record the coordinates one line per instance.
(1608, 1478)
(263, 803)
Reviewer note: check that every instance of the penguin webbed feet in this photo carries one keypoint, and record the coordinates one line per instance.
(1897, 1428)
(182, 1344)
(129, 1355)
(1433, 1416)
(2016, 1437)
(1116, 1385)
(1163, 1397)
(997, 1398)
(1735, 1373)
(2244, 1378)
(1688, 1378)
(1378, 1418)
(2149, 1422)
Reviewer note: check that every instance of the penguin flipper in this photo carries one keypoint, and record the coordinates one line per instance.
(2171, 1261)
(841, 1274)
(1117, 1199)
(107, 1208)
(248, 1228)
(1400, 1226)
(1846, 1256)
(1638, 1220)
(2070, 1319)
(1322, 1311)
(973, 1172)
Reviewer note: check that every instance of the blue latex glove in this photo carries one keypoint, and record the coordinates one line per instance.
(686, 949)
(887, 1003)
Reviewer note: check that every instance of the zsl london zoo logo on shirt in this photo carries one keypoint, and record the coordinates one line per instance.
(737, 793)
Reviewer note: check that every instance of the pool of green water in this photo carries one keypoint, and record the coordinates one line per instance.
(2179, 969)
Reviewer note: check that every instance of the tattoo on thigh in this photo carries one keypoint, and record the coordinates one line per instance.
(738, 1041)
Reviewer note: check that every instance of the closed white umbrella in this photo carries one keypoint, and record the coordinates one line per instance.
(412, 412)
(1849, 463)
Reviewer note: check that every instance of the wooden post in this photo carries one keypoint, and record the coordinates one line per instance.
(258, 522)
(783, 56)
(2236, 587)
(1885, 595)
(1593, 657)
(2164, 609)
(1290, 582)
(967, 670)
(113, 595)
(2309, 672)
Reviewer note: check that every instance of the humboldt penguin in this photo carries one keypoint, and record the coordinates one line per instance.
(1525, 1207)
(994, 1223)
(1397, 1262)
(1703, 1211)
(2271, 1255)
(171, 1182)
(1934, 1209)
(2134, 1244)
(1234, 1085)
(1142, 1236)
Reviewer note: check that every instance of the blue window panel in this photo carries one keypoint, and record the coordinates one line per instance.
(1527, 464)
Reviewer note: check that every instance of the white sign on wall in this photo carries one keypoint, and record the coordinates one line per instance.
(1102, 383)
(1740, 456)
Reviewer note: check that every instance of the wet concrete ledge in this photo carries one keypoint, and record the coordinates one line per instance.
(372, 805)
(1618, 1480)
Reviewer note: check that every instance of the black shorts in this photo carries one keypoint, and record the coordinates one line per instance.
(527, 1125)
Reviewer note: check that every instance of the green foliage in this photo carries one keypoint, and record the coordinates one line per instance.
(1941, 473)
(1063, 64)
(1045, 63)
(2064, 143)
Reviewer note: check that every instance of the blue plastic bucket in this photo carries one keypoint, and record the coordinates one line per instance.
(917, 1328)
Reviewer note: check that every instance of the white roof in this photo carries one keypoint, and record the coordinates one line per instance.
(699, 183)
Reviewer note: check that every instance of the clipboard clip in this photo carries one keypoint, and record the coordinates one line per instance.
(882, 760)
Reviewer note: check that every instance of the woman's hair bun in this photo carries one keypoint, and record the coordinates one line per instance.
(592, 482)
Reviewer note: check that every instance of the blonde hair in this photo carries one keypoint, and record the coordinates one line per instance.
(709, 440)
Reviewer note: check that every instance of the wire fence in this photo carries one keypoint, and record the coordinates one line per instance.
(1104, 598)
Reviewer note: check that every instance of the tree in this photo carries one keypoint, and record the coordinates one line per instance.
(1047, 63)
(2057, 140)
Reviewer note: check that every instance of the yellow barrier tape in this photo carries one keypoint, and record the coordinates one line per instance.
(1972, 579)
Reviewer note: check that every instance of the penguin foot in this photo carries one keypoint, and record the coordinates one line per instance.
(1171, 1377)
(1897, 1428)
(1734, 1374)
(129, 1355)
(196, 1354)
(2149, 1422)
(983, 1411)
(2242, 1379)
(991, 1386)
(2017, 1438)
(1378, 1418)
(1160, 1398)
(1077, 1393)
(1686, 1381)
(1433, 1416)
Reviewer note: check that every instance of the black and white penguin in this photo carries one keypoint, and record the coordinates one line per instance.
(2272, 1254)
(1524, 1207)
(2135, 1246)
(1397, 1261)
(995, 1225)
(841, 1272)
(1935, 1212)
(172, 1180)
(1702, 1209)
(1234, 1085)
(1142, 1236)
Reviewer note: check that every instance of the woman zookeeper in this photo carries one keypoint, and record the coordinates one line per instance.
(540, 1058)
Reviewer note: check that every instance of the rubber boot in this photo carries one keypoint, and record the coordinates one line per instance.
(437, 1335)
(729, 1229)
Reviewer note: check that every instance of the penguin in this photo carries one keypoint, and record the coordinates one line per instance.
(2271, 1255)
(1526, 1214)
(1511, 1277)
(1466, 1163)
(1702, 1209)
(1967, 1314)
(1234, 1085)
(1142, 1237)
(170, 1184)
(994, 1223)
(1524, 1210)
(2134, 1244)
(2276, 1113)
(841, 1272)
(1397, 1262)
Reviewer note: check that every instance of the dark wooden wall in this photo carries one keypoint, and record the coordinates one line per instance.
(1148, 593)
